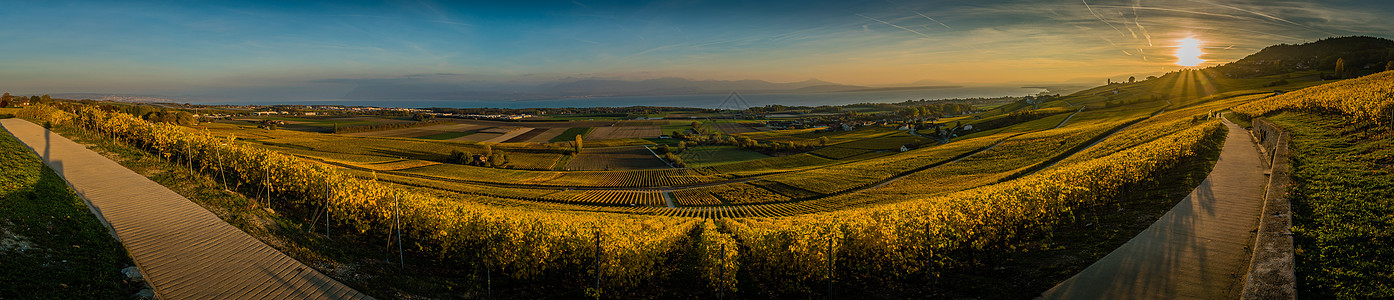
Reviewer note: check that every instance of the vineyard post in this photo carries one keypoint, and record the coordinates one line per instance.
(328, 214)
(929, 257)
(597, 262)
(397, 218)
(721, 281)
(221, 172)
(266, 183)
(831, 271)
(188, 157)
(488, 271)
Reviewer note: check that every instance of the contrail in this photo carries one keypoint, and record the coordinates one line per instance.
(894, 25)
(652, 50)
(1138, 23)
(1101, 18)
(935, 21)
(1271, 17)
(1178, 10)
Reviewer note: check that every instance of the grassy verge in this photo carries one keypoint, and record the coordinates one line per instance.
(1038, 266)
(51, 246)
(1342, 197)
(1242, 122)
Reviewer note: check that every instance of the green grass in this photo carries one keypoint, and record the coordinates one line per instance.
(69, 253)
(702, 156)
(571, 133)
(447, 135)
(1342, 195)
(679, 126)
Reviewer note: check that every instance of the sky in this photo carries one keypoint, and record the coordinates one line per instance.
(317, 49)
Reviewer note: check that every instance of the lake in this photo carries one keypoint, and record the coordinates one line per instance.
(699, 101)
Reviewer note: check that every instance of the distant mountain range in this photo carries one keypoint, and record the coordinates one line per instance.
(587, 87)
(114, 97)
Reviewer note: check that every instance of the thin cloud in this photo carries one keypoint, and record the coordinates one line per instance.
(894, 25)
(452, 23)
(935, 21)
(1101, 18)
(1271, 17)
(1137, 22)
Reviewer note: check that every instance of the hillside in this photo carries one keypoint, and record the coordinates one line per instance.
(1362, 54)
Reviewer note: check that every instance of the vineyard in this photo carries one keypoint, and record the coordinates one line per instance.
(1370, 98)
(856, 209)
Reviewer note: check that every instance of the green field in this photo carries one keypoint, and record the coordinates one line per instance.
(702, 156)
(446, 135)
(571, 133)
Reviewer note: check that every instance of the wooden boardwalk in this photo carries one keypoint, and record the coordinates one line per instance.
(182, 249)
(1197, 250)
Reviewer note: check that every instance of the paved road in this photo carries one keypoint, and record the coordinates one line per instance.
(182, 249)
(1197, 250)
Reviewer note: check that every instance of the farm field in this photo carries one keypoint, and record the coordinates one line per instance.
(615, 158)
(704, 156)
(624, 132)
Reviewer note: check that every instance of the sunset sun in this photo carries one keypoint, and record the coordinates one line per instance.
(1188, 53)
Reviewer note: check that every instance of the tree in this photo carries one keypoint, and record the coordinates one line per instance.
(460, 157)
(1151, 77)
(577, 144)
(46, 99)
(6, 97)
(1132, 79)
(488, 150)
(823, 141)
(1340, 68)
(185, 118)
(35, 99)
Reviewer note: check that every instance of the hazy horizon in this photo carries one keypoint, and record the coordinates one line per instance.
(258, 50)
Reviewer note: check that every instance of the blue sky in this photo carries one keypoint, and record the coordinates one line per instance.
(309, 48)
